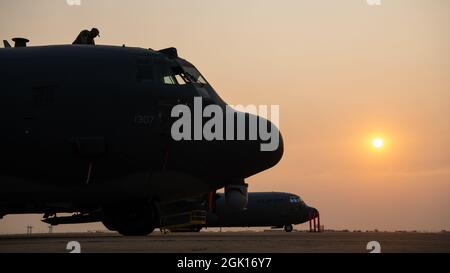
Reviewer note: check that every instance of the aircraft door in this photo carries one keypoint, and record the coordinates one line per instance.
(172, 91)
(146, 117)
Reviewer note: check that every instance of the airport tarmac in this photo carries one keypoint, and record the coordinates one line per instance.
(231, 242)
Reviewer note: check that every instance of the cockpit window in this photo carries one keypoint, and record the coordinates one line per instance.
(183, 75)
(180, 76)
(180, 80)
(194, 75)
(295, 200)
(175, 76)
(169, 80)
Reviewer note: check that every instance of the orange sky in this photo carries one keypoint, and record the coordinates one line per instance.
(341, 71)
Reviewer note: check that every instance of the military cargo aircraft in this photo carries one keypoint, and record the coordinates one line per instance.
(86, 130)
(264, 209)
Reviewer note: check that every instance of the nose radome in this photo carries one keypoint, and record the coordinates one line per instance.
(252, 156)
(271, 152)
(312, 213)
(308, 214)
(278, 153)
(262, 154)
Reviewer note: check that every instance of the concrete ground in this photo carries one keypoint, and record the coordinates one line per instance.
(230, 242)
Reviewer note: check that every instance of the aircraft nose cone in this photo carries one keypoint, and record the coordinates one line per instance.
(265, 152)
(308, 214)
(246, 150)
(312, 213)
(271, 154)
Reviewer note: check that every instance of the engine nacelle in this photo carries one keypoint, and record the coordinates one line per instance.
(236, 196)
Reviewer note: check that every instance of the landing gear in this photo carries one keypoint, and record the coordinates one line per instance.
(135, 220)
(197, 229)
(288, 228)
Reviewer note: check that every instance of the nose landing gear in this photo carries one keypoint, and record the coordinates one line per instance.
(288, 228)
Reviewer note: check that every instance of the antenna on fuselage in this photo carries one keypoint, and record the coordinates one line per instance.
(6, 44)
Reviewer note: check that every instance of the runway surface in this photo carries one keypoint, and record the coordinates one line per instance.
(230, 242)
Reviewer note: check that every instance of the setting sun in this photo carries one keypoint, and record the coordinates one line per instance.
(378, 143)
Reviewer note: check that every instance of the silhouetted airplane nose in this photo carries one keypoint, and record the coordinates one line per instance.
(312, 213)
(263, 153)
(271, 152)
(251, 145)
(308, 213)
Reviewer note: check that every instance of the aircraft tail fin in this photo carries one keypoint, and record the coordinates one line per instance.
(6, 44)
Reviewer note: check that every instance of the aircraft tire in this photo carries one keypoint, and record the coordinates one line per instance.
(137, 220)
(288, 228)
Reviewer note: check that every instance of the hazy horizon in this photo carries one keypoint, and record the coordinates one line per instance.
(343, 72)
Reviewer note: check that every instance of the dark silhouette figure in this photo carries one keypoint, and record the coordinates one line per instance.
(87, 37)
